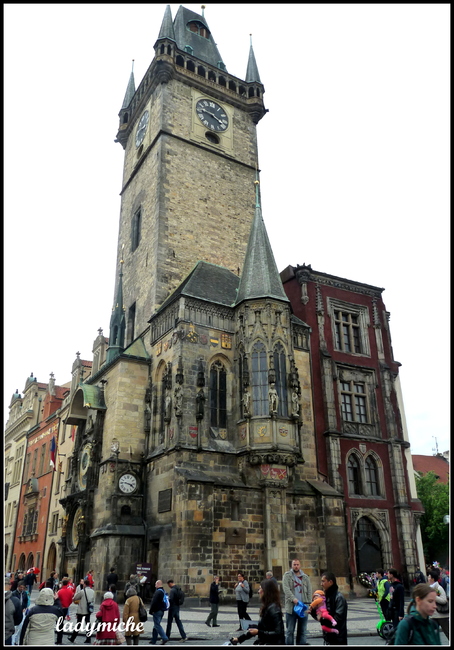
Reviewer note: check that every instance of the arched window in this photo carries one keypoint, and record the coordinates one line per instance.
(354, 475)
(259, 380)
(281, 379)
(371, 476)
(218, 395)
(136, 227)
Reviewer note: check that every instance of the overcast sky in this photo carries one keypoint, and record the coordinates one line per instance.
(354, 157)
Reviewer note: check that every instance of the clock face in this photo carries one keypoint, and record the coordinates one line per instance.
(127, 483)
(212, 115)
(84, 464)
(73, 533)
(142, 129)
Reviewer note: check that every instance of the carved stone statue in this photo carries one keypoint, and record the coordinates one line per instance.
(178, 400)
(200, 400)
(295, 405)
(168, 408)
(274, 399)
(246, 404)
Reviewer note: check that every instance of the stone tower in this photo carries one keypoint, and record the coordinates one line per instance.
(189, 135)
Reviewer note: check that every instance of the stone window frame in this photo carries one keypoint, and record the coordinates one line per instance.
(280, 355)
(365, 376)
(259, 389)
(136, 229)
(335, 305)
(363, 484)
(223, 369)
(355, 483)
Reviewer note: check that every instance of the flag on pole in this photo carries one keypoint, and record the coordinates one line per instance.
(53, 449)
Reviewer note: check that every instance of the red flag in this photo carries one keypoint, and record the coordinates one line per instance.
(53, 449)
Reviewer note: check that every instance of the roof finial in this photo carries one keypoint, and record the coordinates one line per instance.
(250, 36)
(132, 66)
(203, 10)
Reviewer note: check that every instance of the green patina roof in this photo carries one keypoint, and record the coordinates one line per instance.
(93, 397)
(136, 349)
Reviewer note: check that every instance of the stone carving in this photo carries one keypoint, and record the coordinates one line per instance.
(295, 405)
(178, 401)
(246, 404)
(274, 399)
(168, 408)
(200, 405)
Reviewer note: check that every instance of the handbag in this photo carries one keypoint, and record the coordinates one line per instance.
(90, 605)
(443, 609)
(119, 637)
(143, 616)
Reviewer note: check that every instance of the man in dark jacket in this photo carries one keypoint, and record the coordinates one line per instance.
(29, 581)
(337, 607)
(157, 610)
(396, 604)
(174, 610)
(13, 613)
(112, 580)
(214, 602)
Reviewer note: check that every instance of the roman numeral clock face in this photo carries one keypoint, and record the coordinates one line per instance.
(212, 115)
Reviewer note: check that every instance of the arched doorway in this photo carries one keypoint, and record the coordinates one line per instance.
(51, 559)
(368, 547)
(29, 561)
(21, 565)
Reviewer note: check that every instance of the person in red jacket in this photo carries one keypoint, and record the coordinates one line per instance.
(65, 596)
(108, 613)
(90, 579)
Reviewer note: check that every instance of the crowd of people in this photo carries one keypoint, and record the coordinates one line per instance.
(283, 615)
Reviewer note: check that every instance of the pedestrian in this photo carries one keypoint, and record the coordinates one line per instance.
(242, 596)
(18, 577)
(318, 610)
(270, 628)
(65, 596)
(176, 598)
(23, 597)
(396, 603)
(131, 609)
(90, 578)
(297, 588)
(441, 614)
(109, 615)
(337, 608)
(111, 581)
(269, 576)
(419, 576)
(214, 603)
(132, 582)
(157, 610)
(12, 612)
(29, 580)
(38, 627)
(85, 598)
(383, 595)
(424, 630)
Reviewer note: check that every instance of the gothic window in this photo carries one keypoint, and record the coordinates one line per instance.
(354, 475)
(371, 477)
(346, 327)
(136, 229)
(218, 395)
(41, 460)
(281, 379)
(354, 401)
(259, 380)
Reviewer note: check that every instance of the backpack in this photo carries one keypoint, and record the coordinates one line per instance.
(166, 600)
(180, 596)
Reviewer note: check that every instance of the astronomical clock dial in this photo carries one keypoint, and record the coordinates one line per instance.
(142, 128)
(73, 533)
(127, 483)
(84, 464)
(212, 115)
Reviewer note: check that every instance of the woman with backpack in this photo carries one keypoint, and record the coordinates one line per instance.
(131, 610)
(417, 628)
(242, 598)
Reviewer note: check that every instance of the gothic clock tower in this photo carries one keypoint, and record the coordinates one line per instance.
(189, 135)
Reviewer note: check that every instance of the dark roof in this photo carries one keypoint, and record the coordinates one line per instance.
(260, 277)
(208, 282)
(252, 71)
(130, 90)
(203, 48)
(436, 464)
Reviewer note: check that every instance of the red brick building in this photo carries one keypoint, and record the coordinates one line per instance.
(362, 443)
(38, 474)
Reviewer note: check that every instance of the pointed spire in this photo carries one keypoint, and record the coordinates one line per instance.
(252, 72)
(260, 277)
(117, 322)
(167, 30)
(130, 90)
